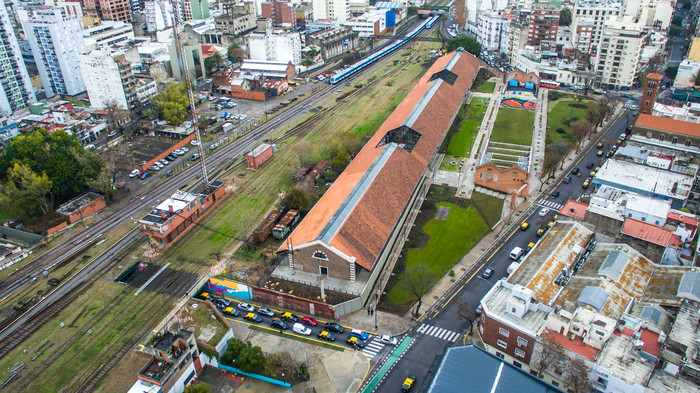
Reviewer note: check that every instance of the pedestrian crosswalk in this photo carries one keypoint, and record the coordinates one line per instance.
(372, 348)
(549, 203)
(437, 332)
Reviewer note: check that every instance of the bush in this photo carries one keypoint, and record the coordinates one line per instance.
(554, 95)
(568, 122)
(561, 130)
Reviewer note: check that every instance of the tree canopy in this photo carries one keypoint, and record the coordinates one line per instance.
(172, 104)
(47, 159)
(468, 43)
(198, 388)
(235, 53)
(565, 17)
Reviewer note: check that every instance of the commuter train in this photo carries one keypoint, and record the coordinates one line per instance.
(344, 73)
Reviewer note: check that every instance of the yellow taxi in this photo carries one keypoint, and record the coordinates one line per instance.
(408, 384)
(525, 226)
(354, 341)
(599, 153)
(326, 335)
(585, 184)
(253, 317)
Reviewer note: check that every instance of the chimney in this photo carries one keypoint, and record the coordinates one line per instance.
(170, 208)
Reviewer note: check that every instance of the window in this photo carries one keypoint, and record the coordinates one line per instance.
(688, 143)
(500, 355)
(519, 353)
(644, 218)
(598, 332)
(503, 332)
(320, 255)
(522, 341)
(481, 175)
(674, 140)
(555, 383)
(661, 137)
(502, 343)
(324, 270)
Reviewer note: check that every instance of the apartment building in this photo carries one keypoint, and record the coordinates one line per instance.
(280, 12)
(544, 22)
(237, 19)
(56, 46)
(195, 9)
(620, 51)
(108, 79)
(494, 30)
(108, 34)
(597, 13)
(338, 10)
(16, 90)
(275, 46)
(114, 10)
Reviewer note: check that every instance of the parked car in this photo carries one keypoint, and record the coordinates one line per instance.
(567, 180)
(290, 317)
(544, 212)
(253, 317)
(359, 334)
(184, 149)
(246, 307)
(309, 321)
(194, 143)
(355, 342)
(326, 335)
(408, 384)
(280, 324)
(111, 134)
(224, 115)
(334, 327)
(134, 173)
(388, 340)
(242, 116)
(555, 194)
(231, 312)
(267, 312)
(164, 161)
(195, 157)
(214, 146)
(144, 175)
(524, 226)
(154, 167)
(487, 273)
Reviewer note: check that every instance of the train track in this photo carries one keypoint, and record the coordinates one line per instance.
(13, 333)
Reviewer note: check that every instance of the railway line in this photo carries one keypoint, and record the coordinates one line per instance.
(14, 331)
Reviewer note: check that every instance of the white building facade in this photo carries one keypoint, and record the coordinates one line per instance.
(277, 47)
(493, 30)
(56, 45)
(331, 9)
(102, 80)
(16, 90)
(595, 13)
(619, 55)
(107, 34)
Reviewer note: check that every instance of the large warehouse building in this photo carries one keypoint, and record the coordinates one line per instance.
(351, 233)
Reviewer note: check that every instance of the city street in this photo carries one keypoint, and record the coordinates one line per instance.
(430, 332)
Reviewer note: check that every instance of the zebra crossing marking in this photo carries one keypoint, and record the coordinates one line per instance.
(438, 332)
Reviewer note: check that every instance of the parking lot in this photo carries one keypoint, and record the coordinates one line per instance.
(325, 333)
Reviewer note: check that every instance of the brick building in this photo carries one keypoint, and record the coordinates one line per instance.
(506, 180)
(351, 233)
(651, 90)
(82, 206)
(258, 156)
(543, 26)
(281, 12)
(119, 10)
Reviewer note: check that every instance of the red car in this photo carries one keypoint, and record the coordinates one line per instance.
(309, 321)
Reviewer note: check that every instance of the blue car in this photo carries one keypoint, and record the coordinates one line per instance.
(359, 334)
(224, 115)
(145, 175)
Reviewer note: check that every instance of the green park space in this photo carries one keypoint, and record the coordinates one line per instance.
(466, 129)
(487, 87)
(513, 126)
(436, 245)
(561, 116)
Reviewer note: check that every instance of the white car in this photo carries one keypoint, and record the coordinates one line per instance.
(154, 167)
(243, 117)
(134, 173)
(159, 165)
(388, 340)
(246, 307)
(111, 134)
(164, 161)
(194, 143)
(544, 212)
(184, 150)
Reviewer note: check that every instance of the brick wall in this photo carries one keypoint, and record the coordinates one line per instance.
(91, 208)
(491, 334)
(503, 180)
(304, 260)
(283, 300)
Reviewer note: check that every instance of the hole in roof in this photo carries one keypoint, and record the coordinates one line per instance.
(404, 136)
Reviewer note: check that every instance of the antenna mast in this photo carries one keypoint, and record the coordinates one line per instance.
(184, 67)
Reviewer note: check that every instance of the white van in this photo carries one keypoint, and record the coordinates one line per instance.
(516, 253)
(513, 267)
(301, 329)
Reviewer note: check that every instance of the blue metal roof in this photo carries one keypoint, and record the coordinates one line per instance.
(473, 367)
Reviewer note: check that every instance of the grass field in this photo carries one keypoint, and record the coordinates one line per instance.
(563, 112)
(440, 244)
(487, 87)
(513, 126)
(446, 164)
(462, 141)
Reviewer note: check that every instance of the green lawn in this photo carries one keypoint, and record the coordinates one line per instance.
(563, 112)
(462, 141)
(440, 244)
(446, 165)
(513, 126)
(487, 87)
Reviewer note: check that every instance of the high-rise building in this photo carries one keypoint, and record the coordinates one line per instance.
(332, 9)
(108, 79)
(281, 12)
(15, 86)
(544, 23)
(597, 12)
(195, 9)
(119, 10)
(56, 43)
(619, 53)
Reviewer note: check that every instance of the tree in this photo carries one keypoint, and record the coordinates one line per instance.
(655, 63)
(250, 359)
(592, 115)
(675, 31)
(605, 108)
(298, 199)
(565, 17)
(576, 379)
(198, 388)
(417, 280)
(671, 72)
(340, 158)
(469, 44)
(172, 104)
(465, 312)
(546, 353)
(580, 129)
(697, 79)
(235, 53)
(60, 156)
(25, 193)
(677, 20)
(233, 349)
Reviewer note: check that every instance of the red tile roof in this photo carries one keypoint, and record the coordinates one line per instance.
(576, 345)
(668, 125)
(574, 209)
(367, 228)
(208, 50)
(650, 233)
(652, 346)
(688, 221)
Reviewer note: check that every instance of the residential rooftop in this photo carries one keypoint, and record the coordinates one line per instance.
(619, 357)
(495, 303)
(647, 232)
(556, 251)
(643, 179)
